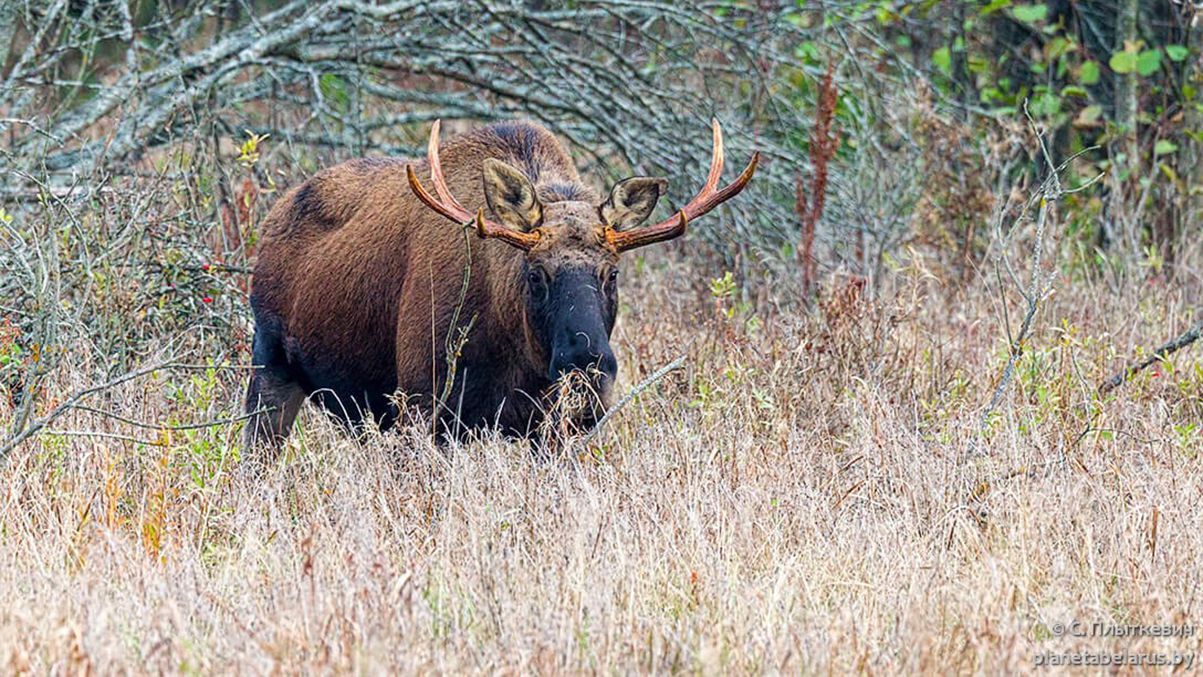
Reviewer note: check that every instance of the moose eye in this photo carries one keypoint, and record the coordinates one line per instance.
(612, 276)
(536, 280)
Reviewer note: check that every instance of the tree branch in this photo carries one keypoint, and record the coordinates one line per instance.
(1185, 339)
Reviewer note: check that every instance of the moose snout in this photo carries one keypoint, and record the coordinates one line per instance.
(579, 351)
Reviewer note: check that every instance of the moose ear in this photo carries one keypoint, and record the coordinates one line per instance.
(632, 200)
(511, 196)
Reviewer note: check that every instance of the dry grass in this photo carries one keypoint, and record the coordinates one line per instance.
(805, 497)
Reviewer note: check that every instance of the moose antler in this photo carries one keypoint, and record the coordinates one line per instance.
(708, 198)
(448, 206)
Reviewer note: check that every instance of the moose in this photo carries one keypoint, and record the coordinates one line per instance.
(360, 281)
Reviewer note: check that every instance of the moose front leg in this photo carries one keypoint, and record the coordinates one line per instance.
(272, 403)
(273, 397)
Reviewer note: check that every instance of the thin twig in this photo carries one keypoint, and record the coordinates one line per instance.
(71, 402)
(104, 435)
(186, 426)
(1037, 289)
(457, 336)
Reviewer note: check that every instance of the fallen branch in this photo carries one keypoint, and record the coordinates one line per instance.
(634, 392)
(1187, 338)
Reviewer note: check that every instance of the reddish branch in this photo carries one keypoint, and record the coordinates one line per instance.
(824, 140)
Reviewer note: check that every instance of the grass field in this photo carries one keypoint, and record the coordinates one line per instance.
(814, 492)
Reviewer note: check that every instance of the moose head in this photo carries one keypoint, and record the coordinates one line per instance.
(571, 252)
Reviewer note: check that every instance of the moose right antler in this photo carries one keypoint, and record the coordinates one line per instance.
(448, 206)
(707, 199)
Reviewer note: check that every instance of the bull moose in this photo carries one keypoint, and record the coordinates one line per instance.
(360, 280)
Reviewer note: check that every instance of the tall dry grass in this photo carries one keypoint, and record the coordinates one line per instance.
(813, 493)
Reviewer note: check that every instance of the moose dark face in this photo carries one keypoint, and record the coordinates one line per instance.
(570, 276)
(571, 312)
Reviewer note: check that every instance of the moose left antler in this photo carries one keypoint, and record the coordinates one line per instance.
(707, 199)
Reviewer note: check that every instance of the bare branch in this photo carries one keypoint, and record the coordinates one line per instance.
(646, 383)
(1165, 350)
(72, 402)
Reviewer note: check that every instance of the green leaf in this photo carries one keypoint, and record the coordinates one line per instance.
(1177, 52)
(942, 58)
(1073, 90)
(334, 89)
(1058, 47)
(1030, 13)
(1089, 115)
(1089, 74)
(994, 6)
(807, 51)
(1123, 62)
(1164, 147)
(1168, 171)
(1148, 62)
(1046, 104)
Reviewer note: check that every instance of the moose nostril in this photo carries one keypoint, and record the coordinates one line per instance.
(580, 340)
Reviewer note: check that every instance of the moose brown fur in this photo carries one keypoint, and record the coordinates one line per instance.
(360, 273)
